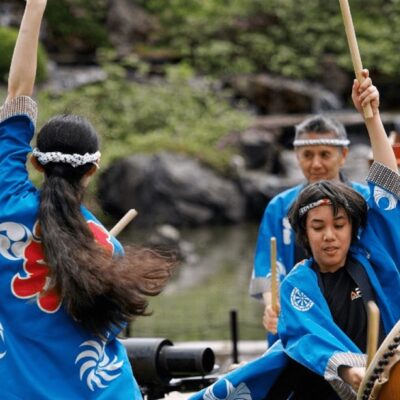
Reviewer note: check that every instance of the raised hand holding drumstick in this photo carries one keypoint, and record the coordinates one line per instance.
(362, 94)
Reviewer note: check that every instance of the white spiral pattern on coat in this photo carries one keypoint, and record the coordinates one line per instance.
(96, 367)
(242, 392)
(380, 194)
(2, 340)
(13, 240)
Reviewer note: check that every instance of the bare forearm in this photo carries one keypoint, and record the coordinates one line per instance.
(381, 148)
(363, 94)
(22, 75)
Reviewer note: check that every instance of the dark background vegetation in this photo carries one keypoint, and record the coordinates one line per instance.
(167, 82)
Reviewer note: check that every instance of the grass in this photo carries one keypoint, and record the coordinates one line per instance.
(201, 311)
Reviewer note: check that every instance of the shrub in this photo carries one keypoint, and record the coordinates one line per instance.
(176, 114)
(8, 37)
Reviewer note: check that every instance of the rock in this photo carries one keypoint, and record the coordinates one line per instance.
(169, 189)
(260, 149)
(278, 95)
(10, 13)
(259, 186)
(63, 78)
(169, 238)
(128, 24)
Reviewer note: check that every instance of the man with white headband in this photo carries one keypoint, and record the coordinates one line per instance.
(321, 146)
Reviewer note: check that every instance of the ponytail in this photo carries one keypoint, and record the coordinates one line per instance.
(96, 290)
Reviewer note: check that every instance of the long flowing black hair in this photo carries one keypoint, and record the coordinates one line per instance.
(340, 195)
(97, 290)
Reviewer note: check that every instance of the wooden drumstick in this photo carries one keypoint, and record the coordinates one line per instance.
(373, 331)
(353, 46)
(274, 276)
(123, 222)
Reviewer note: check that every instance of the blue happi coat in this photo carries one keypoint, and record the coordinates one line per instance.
(306, 327)
(43, 353)
(276, 224)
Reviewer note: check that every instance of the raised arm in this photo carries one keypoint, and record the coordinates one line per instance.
(24, 61)
(363, 94)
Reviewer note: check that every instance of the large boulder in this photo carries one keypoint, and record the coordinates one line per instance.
(279, 95)
(168, 188)
(260, 186)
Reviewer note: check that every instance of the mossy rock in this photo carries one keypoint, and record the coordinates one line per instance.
(8, 37)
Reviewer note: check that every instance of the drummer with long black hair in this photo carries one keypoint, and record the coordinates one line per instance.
(64, 297)
(354, 257)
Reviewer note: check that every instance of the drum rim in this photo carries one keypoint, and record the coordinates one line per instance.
(384, 352)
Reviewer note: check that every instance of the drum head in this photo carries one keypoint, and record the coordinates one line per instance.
(382, 377)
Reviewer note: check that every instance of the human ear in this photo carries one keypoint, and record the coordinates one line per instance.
(36, 164)
(86, 178)
(93, 169)
(345, 152)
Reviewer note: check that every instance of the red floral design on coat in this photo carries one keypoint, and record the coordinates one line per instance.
(35, 281)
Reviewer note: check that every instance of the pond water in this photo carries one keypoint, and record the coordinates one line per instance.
(197, 302)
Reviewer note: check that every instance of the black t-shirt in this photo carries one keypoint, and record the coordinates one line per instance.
(297, 382)
(345, 300)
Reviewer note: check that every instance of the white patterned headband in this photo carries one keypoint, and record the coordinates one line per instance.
(319, 142)
(75, 159)
(310, 206)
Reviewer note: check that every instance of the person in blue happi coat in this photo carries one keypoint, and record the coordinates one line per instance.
(354, 257)
(64, 297)
(321, 147)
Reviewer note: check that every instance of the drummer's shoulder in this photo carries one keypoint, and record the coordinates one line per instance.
(302, 267)
(301, 272)
(384, 178)
(361, 188)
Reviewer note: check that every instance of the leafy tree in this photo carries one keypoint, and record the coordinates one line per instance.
(287, 37)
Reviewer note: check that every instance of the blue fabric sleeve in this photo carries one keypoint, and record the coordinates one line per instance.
(17, 126)
(251, 381)
(273, 224)
(384, 210)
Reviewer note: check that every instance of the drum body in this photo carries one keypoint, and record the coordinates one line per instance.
(391, 390)
(382, 377)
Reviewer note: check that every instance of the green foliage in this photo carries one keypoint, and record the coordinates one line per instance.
(8, 37)
(179, 115)
(287, 37)
(77, 20)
